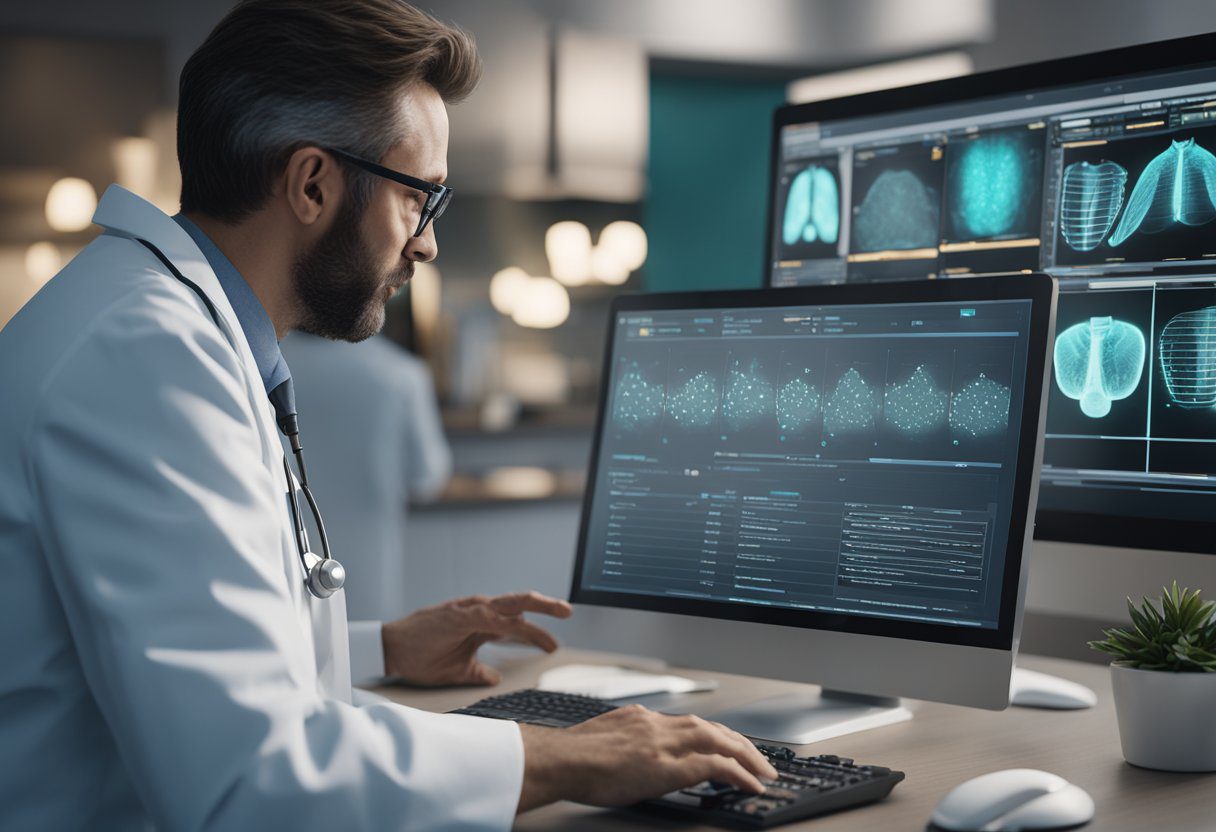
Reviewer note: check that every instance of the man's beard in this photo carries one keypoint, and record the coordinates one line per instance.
(340, 292)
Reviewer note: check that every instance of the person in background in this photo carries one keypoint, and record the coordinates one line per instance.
(375, 443)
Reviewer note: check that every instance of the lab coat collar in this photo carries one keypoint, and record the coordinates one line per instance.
(254, 320)
(124, 214)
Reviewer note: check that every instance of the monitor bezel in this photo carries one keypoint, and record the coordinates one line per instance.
(1180, 54)
(1037, 288)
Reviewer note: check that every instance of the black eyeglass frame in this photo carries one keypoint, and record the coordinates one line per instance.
(437, 196)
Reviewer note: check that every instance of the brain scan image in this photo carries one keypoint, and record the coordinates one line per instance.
(993, 185)
(1090, 199)
(1177, 186)
(915, 407)
(1187, 348)
(812, 208)
(1099, 361)
(898, 212)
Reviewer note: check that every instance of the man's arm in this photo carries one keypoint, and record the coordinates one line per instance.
(163, 533)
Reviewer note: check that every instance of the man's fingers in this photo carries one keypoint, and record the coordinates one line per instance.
(756, 762)
(470, 600)
(514, 603)
(528, 633)
(722, 769)
(698, 736)
(483, 674)
(490, 625)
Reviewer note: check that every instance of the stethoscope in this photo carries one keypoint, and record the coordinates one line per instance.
(323, 576)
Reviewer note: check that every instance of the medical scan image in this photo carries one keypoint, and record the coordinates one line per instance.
(692, 401)
(981, 408)
(852, 406)
(638, 400)
(832, 401)
(1178, 186)
(1138, 200)
(1090, 199)
(916, 406)
(748, 400)
(1184, 365)
(799, 404)
(994, 186)
(809, 227)
(1187, 348)
(1099, 361)
(896, 198)
(898, 212)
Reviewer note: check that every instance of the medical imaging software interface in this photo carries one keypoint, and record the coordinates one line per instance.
(1111, 188)
(848, 459)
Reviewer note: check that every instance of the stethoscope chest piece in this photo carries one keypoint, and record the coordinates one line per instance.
(323, 576)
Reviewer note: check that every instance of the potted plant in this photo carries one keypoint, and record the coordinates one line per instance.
(1164, 681)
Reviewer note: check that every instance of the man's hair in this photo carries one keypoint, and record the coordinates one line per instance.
(278, 75)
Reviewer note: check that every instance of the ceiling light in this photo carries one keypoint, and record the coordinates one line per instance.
(42, 261)
(506, 286)
(627, 242)
(607, 266)
(543, 304)
(135, 160)
(568, 247)
(70, 204)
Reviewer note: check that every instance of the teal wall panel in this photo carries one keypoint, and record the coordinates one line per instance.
(706, 208)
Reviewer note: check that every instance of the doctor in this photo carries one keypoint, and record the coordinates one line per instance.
(175, 651)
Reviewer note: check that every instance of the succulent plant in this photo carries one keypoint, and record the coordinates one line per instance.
(1180, 636)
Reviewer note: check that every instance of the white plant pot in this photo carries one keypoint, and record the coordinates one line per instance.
(1167, 720)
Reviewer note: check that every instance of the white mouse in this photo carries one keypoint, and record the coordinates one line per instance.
(1013, 800)
(1032, 689)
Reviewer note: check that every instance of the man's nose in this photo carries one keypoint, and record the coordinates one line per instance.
(424, 248)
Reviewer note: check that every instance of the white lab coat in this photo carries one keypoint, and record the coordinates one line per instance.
(162, 663)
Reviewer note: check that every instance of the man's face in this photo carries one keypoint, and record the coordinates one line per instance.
(343, 282)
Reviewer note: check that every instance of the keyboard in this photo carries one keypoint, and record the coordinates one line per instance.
(805, 786)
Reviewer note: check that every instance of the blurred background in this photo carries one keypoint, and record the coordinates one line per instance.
(612, 146)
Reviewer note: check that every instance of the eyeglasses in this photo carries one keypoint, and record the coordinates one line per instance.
(437, 196)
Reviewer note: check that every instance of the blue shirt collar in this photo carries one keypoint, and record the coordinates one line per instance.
(255, 323)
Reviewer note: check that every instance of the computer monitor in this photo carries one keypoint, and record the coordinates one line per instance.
(1099, 170)
(825, 484)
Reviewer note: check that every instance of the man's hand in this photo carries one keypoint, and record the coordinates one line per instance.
(632, 754)
(438, 645)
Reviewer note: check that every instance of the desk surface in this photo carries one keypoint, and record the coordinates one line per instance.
(942, 746)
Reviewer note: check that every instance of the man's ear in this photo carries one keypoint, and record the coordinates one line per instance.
(313, 184)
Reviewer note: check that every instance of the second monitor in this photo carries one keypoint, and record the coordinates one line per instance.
(829, 485)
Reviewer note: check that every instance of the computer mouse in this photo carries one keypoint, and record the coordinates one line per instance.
(1031, 689)
(1013, 800)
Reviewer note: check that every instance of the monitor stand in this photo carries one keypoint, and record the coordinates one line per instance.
(805, 717)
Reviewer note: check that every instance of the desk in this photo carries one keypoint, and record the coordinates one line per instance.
(942, 746)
